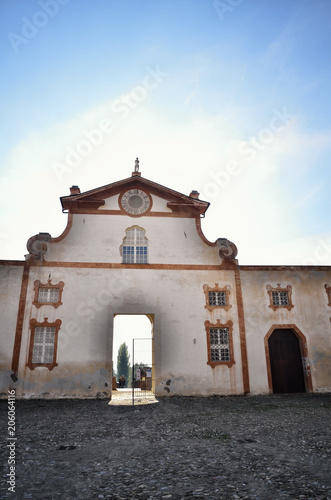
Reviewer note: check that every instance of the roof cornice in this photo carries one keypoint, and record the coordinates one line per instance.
(94, 199)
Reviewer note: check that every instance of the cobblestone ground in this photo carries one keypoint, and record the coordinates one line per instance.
(266, 447)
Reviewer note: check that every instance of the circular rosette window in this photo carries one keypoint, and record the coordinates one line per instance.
(135, 202)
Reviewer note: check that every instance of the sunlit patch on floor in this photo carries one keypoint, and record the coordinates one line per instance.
(122, 397)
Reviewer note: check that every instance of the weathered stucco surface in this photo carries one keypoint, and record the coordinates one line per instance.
(310, 314)
(87, 259)
(177, 242)
(10, 279)
(91, 299)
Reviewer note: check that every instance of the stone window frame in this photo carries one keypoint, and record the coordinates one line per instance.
(38, 286)
(33, 325)
(278, 289)
(135, 246)
(217, 288)
(218, 324)
(328, 293)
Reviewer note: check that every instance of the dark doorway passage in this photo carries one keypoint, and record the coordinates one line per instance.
(286, 362)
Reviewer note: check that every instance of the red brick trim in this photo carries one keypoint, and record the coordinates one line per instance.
(90, 201)
(101, 211)
(66, 231)
(20, 319)
(229, 265)
(242, 333)
(108, 265)
(285, 268)
(18, 263)
(200, 233)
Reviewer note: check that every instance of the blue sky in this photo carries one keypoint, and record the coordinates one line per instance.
(231, 98)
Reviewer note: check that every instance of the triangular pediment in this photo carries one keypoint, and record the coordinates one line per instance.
(94, 200)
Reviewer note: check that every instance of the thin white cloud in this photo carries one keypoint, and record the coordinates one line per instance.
(311, 194)
(280, 49)
(190, 97)
(182, 155)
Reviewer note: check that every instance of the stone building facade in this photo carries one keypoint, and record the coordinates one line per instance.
(136, 247)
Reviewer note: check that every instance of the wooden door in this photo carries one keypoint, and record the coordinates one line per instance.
(286, 362)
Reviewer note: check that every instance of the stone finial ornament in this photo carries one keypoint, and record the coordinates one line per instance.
(227, 249)
(136, 165)
(37, 245)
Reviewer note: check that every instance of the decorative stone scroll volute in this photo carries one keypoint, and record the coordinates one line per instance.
(227, 249)
(37, 246)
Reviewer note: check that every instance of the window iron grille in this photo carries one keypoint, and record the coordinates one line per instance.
(219, 344)
(280, 298)
(217, 298)
(43, 345)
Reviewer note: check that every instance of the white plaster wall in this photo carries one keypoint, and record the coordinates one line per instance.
(91, 298)
(160, 205)
(110, 204)
(10, 289)
(97, 238)
(310, 314)
(84, 365)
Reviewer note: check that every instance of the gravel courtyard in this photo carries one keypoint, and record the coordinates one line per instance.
(265, 447)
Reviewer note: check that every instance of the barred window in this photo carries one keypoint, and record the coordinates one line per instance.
(219, 344)
(280, 298)
(43, 345)
(217, 298)
(135, 246)
(48, 295)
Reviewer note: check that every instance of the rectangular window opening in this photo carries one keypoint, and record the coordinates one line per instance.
(48, 295)
(217, 298)
(43, 345)
(219, 344)
(280, 299)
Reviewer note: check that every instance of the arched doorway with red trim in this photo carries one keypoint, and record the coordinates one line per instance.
(287, 360)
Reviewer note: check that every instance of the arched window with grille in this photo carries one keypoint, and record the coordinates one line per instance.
(135, 246)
